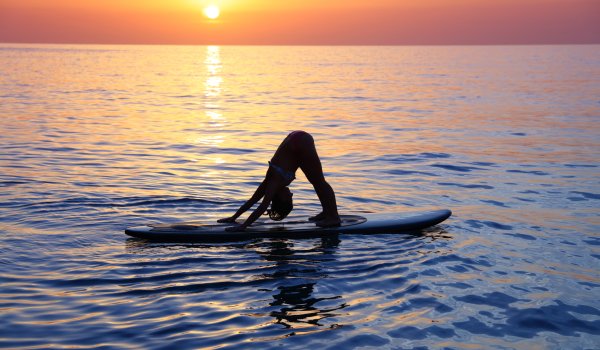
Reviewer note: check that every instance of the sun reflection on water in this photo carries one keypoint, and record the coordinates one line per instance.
(212, 95)
(212, 84)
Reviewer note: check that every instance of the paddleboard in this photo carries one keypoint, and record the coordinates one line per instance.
(195, 231)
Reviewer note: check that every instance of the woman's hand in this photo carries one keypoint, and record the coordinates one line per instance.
(236, 228)
(226, 220)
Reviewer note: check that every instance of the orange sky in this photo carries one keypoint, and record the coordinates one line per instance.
(370, 22)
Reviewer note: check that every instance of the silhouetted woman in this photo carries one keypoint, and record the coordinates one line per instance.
(296, 151)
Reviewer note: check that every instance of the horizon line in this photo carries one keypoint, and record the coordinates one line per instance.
(301, 44)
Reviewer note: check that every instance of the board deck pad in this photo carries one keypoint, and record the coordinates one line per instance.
(358, 224)
(261, 226)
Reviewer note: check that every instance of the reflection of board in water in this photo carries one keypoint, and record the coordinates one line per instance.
(367, 224)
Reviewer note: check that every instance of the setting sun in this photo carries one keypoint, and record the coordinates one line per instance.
(212, 12)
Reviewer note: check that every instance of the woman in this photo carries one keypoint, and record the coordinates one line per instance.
(296, 151)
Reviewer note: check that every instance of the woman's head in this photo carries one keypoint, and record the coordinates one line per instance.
(281, 205)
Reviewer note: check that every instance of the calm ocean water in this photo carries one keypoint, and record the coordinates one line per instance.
(98, 138)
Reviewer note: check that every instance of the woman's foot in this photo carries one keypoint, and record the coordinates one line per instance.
(317, 217)
(329, 222)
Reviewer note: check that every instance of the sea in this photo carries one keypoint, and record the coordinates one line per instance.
(98, 138)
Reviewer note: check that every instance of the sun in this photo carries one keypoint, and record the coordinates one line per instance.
(212, 12)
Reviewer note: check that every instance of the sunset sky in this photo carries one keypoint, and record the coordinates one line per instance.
(321, 22)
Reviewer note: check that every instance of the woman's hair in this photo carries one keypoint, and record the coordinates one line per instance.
(280, 208)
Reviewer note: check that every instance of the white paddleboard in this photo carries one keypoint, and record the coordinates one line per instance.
(194, 231)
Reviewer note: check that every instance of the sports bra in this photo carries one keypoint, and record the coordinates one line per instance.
(287, 175)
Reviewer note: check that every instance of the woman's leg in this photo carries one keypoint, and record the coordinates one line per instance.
(311, 166)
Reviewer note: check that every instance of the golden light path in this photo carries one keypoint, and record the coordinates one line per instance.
(212, 92)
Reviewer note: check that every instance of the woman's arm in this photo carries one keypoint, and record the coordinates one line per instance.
(255, 214)
(258, 194)
(269, 192)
